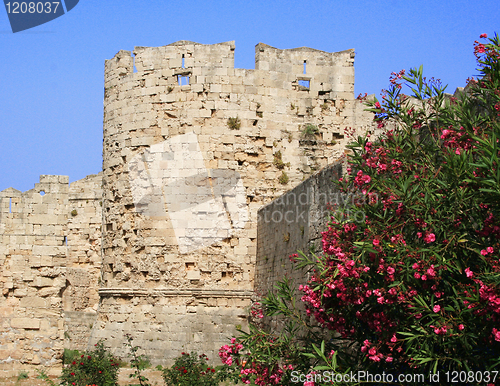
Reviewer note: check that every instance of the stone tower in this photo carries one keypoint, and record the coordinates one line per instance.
(192, 149)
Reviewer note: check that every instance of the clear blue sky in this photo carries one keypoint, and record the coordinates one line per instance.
(52, 75)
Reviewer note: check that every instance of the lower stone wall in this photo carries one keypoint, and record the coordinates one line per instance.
(164, 323)
(77, 329)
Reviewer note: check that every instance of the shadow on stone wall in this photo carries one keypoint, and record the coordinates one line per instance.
(292, 223)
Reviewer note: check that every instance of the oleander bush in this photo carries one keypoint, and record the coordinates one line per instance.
(96, 367)
(192, 369)
(414, 288)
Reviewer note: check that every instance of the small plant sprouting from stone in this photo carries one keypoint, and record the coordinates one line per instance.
(283, 178)
(139, 362)
(170, 89)
(44, 376)
(22, 375)
(324, 106)
(292, 106)
(74, 213)
(278, 161)
(259, 114)
(286, 237)
(310, 131)
(234, 123)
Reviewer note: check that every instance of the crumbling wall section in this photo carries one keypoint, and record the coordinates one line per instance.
(81, 297)
(49, 263)
(32, 273)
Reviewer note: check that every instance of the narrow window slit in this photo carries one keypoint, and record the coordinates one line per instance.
(183, 80)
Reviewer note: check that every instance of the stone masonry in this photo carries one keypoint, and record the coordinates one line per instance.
(192, 149)
(49, 268)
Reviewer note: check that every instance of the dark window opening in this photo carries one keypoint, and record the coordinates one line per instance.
(183, 61)
(10, 205)
(42, 192)
(305, 63)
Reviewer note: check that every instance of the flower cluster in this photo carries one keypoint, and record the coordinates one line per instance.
(255, 366)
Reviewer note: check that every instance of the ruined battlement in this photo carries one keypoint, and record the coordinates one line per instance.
(197, 66)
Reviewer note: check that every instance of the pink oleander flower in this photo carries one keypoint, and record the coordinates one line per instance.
(490, 250)
(496, 334)
(483, 36)
(376, 242)
(484, 252)
(436, 308)
(468, 272)
(461, 327)
(430, 238)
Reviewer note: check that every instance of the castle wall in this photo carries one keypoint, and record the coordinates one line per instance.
(192, 149)
(162, 244)
(39, 256)
(32, 257)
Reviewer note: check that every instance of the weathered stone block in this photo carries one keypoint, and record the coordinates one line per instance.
(25, 323)
(33, 302)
